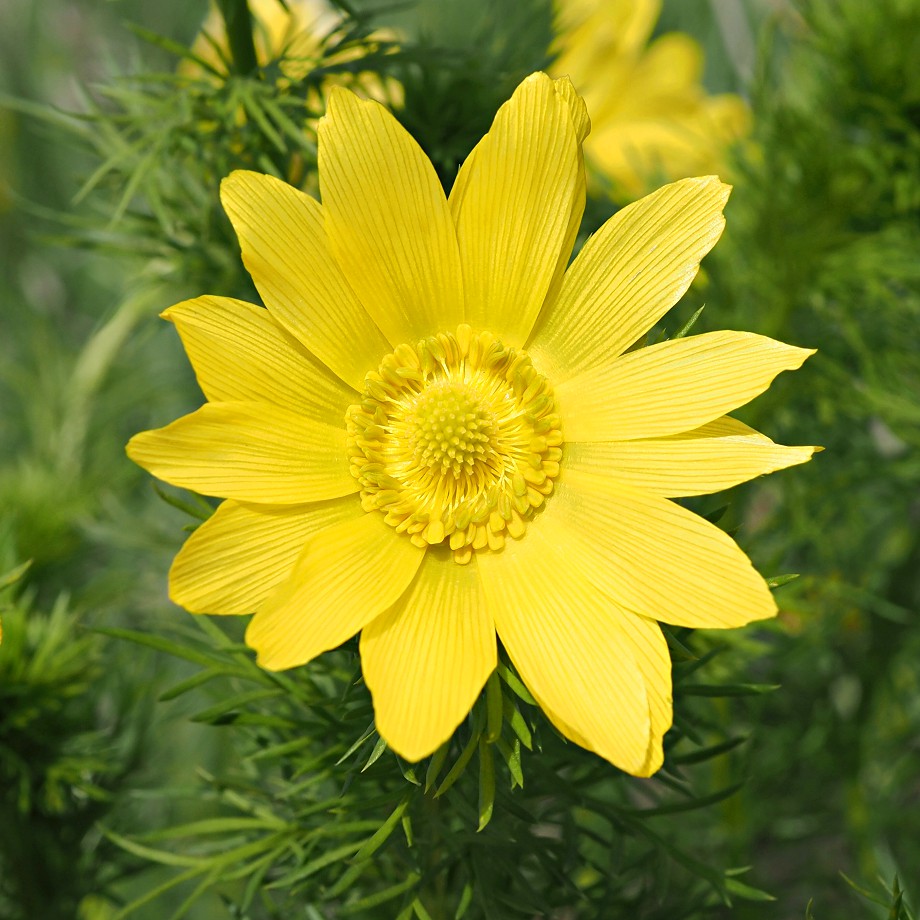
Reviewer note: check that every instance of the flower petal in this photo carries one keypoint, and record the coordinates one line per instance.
(582, 125)
(285, 249)
(663, 126)
(726, 119)
(231, 563)
(654, 660)
(628, 275)
(650, 649)
(387, 219)
(669, 72)
(716, 456)
(563, 636)
(254, 452)
(593, 39)
(672, 387)
(578, 111)
(513, 202)
(241, 354)
(654, 557)
(427, 658)
(346, 575)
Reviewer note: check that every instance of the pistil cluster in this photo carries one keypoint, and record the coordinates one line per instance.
(457, 440)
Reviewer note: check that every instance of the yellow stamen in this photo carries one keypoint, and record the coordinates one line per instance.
(455, 439)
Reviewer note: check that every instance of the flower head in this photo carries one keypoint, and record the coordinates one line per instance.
(435, 432)
(296, 35)
(651, 118)
(293, 32)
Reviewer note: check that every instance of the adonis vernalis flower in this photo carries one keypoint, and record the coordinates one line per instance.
(436, 431)
(293, 34)
(651, 118)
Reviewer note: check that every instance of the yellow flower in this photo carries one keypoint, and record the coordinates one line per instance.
(293, 33)
(293, 36)
(651, 120)
(435, 432)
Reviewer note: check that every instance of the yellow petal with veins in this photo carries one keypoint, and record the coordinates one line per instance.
(654, 557)
(628, 275)
(582, 125)
(346, 575)
(715, 456)
(254, 452)
(240, 354)
(231, 563)
(650, 649)
(513, 203)
(387, 220)
(426, 659)
(284, 246)
(672, 387)
(563, 636)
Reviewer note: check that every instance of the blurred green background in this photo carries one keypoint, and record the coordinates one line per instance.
(822, 250)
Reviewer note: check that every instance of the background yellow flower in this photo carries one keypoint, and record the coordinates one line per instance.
(436, 433)
(651, 119)
(293, 35)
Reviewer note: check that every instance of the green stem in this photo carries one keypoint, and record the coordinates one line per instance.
(93, 364)
(238, 23)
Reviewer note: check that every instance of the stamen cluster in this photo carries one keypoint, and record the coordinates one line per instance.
(457, 440)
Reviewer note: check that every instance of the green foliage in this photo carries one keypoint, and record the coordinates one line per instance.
(60, 759)
(163, 141)
(824, 227)
(890, 899)
(506, 819)
(468, 60)
(821, 250)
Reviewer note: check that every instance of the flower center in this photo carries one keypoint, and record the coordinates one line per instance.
(456, 439)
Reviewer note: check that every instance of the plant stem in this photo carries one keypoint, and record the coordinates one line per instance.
(238, 23)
